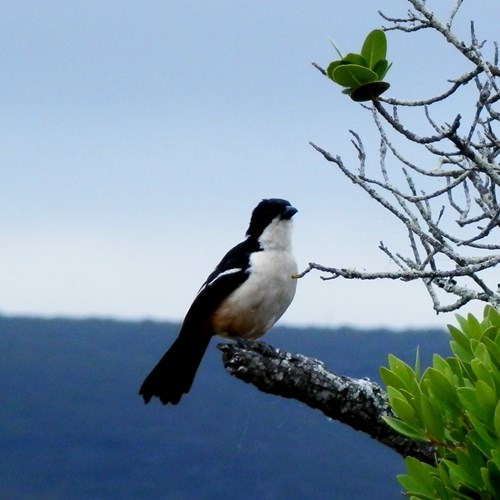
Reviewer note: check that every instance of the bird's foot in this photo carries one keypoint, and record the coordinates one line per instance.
(254, 345)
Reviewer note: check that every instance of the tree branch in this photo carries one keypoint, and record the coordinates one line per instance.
(452, 185)
(359, 403)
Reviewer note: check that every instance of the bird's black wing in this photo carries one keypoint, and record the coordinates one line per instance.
(229, 274)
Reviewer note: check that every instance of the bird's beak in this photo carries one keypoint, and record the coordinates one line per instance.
(289, 213)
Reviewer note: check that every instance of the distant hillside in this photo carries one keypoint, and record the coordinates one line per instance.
(73, 426)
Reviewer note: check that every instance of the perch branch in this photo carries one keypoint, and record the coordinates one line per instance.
(359, 403)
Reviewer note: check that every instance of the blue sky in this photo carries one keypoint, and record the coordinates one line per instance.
(138, 136)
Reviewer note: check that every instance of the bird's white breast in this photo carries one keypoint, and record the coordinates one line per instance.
(253, 308)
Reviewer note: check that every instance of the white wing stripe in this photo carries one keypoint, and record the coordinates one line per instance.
(223, 273)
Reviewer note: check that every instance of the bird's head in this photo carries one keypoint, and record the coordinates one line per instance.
(269, 218)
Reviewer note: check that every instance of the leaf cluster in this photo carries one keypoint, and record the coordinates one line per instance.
(362, 74)
(454, 405)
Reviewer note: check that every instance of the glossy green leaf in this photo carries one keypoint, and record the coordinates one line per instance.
(444, 478)
(458, 475)
(414, 488)
(432, 419)
(489, 332)
(392, 393)
(459, 337)
(403, 371)
(416, 368)
(467, 397)
(331, 68)
(405, 429)
(440, 364)
(353, 75)
(381, 68)
(420, 479)
(494, 352)
(495, 454)
(493, 316)
(496, 419)
(483, 372)
(391, 379)
(464, 354)
(404, 411)
(491, 478)
(402, 403)
(374, 47)
(457, 368)
(487, 366)
(441, 388)
(470, 459)
(474, 327)
(487, 401)
(481, 436)
(352, 58)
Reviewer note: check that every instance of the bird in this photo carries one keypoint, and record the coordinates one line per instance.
(244, 296)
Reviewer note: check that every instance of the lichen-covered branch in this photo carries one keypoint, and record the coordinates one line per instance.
(359, 403)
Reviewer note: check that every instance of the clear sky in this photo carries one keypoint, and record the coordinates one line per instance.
(138, 136)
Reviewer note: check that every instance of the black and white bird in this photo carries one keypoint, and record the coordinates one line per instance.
(243, 297)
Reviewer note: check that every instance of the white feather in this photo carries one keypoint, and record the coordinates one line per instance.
(223, 273)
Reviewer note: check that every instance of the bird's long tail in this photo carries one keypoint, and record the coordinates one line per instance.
(174, 374)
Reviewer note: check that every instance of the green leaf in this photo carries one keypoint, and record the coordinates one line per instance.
(392, 392)
(494, 353)
(480, 436)
(475, 330)
(432, 419)
(462, 322)
(369, 91)
(391, 379)
(420, 480)
(458, 475)
(482, 372)
(470, 460)
(488, 353)
(414, 487)
(493, 481)
(374, 47)
(496, 419)
(404, 411)
(441, 388)
(405, 429)
(487, 401)
(496, 457)
(457, 369)
(459, 337)
(353, 75)
(451, 368)
(489, 332)
(352, 58)
(462, 353)
(416, 368)
(468, 398)
(381, 68)
(331, 67)
(403, 371)
(441, 365)
(493, 316)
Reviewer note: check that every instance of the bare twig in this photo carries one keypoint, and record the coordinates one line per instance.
(439, 207)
